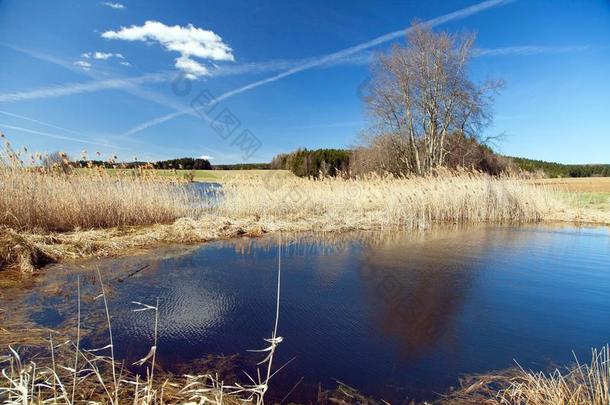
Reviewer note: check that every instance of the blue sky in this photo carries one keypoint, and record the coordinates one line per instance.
(101, 76)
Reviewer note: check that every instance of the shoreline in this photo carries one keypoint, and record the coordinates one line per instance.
(28, 253)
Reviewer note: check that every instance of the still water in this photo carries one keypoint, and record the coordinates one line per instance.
(396, 315)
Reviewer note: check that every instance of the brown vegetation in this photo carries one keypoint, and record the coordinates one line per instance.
(378, 202)
(31, 199)
(580, 384)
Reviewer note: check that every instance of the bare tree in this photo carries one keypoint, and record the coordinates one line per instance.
(420, 95)
(56, 161)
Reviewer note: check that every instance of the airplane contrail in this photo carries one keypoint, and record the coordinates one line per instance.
(330, 58)
(57, 136)
(80, 87)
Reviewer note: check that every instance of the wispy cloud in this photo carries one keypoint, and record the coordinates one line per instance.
(99, 56)
(35, 121)
(278, 65)
(129, 87)
(332, 58)
(79, 137)
(529, 50)
(116, 6)
(56, 136)
(83, 87)
(188, 41)
(83, 64)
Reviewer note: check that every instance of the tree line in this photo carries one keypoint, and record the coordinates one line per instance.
(314, 163)
(552, 169)
(177, 164)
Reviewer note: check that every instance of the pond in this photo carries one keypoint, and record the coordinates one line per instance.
(394, 314)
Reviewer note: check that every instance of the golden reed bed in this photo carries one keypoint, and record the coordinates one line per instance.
(52, 216)
(387, 202)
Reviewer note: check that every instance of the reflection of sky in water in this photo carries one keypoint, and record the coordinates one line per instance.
(391, 313)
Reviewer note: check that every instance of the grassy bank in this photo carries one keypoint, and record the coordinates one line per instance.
(68, 374)
(50, 217)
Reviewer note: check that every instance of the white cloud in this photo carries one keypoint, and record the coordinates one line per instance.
(101, 55)
(125, 63)
(188, 41)
(83, 64)
(116, 6)
(191, 68)
(206, 157)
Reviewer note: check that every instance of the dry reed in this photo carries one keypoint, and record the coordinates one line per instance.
(386, 202)
(581, 384)
(39, 203)
(30, 199)
(56, 197)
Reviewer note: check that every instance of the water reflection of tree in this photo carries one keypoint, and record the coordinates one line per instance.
(418, 284)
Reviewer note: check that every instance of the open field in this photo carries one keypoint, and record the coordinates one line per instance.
(578, 184)
(588, 198)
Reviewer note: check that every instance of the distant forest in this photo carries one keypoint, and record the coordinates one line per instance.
(331, 162)
(552, 169)
(178, 164)
(312, 163)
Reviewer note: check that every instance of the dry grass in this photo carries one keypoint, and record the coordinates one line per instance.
(109, 215)
(27, 251)
(385, 202)
(581, 384)
(30, 199)
(47, 195)
(162, 212)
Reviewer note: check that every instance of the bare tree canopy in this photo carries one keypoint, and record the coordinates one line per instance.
(420, 96)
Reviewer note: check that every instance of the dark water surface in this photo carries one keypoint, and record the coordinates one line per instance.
(396, 315)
